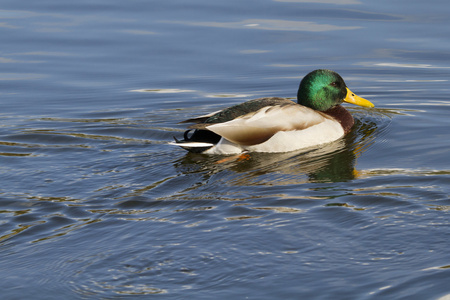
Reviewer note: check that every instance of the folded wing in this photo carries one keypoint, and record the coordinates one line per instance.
(257, 127)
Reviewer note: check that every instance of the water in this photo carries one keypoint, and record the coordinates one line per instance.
(95, 205)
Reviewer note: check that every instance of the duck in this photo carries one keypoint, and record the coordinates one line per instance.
(274, 124)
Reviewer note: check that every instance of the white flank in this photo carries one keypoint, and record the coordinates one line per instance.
(286, 141)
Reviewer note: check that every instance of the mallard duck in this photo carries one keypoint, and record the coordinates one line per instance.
(277, 124)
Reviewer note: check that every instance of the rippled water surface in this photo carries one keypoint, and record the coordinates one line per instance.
(95, 205)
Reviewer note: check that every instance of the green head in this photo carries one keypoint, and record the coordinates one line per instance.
(321, 90)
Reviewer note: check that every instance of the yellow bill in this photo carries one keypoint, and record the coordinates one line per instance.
(357, 100)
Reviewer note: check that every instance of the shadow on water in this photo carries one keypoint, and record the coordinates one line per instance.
(333, 162)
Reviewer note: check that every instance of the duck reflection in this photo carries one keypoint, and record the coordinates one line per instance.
(332, 162)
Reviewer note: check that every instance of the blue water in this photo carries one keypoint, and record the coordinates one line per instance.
(95, 205)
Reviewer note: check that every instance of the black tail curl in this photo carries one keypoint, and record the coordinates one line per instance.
(204, 136)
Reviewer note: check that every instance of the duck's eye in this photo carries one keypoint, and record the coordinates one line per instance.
(334, 84)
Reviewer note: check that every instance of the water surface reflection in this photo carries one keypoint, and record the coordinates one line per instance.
(332, 162)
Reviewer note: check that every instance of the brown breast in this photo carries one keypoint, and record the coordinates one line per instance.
(343, 116)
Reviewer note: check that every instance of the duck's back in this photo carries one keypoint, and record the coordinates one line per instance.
(241, 109)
